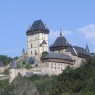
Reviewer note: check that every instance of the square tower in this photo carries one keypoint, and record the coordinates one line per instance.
(37, 39)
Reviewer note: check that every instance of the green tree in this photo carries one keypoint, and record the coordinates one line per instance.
(44, 54)
(5, 59)
(28, 65)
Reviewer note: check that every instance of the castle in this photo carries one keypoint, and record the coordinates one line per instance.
(60, 54)
(37, 42)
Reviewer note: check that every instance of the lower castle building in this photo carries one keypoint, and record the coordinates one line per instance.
(63, 54)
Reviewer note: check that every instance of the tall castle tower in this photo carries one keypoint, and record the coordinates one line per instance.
(37, 39)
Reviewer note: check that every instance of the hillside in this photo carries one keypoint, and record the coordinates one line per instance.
(79, 81)
(20, 86)
(73, 81)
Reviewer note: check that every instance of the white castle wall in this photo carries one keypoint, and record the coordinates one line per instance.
(14, 72)
(36, 40)
(56, 68)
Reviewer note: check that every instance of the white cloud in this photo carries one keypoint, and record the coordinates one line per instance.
(89, 33)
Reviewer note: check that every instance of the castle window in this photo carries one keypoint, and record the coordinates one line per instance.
(31, 52)
(51, 64)
(35, 52)
(31, 45)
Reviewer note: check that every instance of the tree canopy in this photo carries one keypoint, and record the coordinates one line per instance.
(5, 59)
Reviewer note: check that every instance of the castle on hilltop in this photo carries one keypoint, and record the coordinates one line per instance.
(61, 54)
(37, 42)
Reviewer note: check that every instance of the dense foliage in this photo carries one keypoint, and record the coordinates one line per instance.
(44, 54)
(79, 81)
(73, 81)
(5, 59)
(28, 65)
(3, 83)
(43, 83)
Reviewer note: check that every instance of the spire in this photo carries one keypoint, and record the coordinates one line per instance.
(60, 33)
(87, 49)
(23, 52)
(29, 26)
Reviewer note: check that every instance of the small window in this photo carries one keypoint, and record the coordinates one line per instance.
(55, 67)
(31, 52)
(35, 52)
(31, 45)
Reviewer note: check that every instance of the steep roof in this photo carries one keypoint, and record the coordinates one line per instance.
(70, 49)
(37, 25)
(87, 49)
(80, 50)
(57, 56)
(60, 41)
(43, 42)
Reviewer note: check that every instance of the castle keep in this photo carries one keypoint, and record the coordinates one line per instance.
(37, 39)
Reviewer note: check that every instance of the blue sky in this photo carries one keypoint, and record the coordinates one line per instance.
(76, 18)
